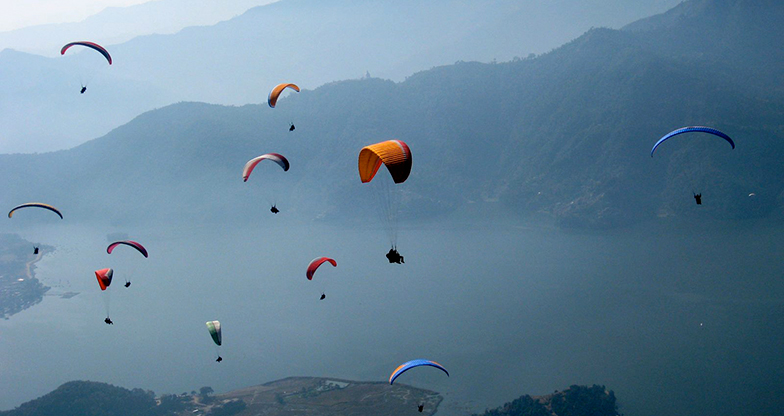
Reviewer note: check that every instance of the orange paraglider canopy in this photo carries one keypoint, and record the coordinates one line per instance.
(272, 99)
(395, 154)
(104, 277)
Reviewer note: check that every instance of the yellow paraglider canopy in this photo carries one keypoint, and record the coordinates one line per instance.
(395, 154)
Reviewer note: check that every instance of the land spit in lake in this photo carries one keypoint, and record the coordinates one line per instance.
(293, 396)
(299, 396)
(19, 289)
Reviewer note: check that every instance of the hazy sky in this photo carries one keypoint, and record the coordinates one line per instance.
(18, 14)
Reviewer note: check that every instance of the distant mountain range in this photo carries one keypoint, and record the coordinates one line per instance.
(310, 42)
(116, 25)
(566, 134)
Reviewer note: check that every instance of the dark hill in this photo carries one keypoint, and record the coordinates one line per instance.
(86, 398)
(574, 401)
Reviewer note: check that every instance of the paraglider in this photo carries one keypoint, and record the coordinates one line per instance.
(315, 264)
(272, 99)
(35, 205)
(279, 159)
(214, 328)
(90, 45)
(693, 129)
(396, 156)
(129, 243)
(291, 127)
(104, 277)
(402, 368)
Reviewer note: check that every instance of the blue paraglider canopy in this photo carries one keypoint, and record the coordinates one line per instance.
(693, 129)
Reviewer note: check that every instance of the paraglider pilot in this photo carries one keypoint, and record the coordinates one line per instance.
(83, 89)
(698, 198)
(291, 127)
(323, 296)
(127, 283)
(421, 407)
(35, 250)
(219, 359)
(108, 321)
(274, 209)
(394, 257)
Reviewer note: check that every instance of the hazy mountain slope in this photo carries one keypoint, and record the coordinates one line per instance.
(119, 24)
(307, 41)
(568, 134)
(737, 39)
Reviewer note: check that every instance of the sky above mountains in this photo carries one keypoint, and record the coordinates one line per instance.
(17, 15)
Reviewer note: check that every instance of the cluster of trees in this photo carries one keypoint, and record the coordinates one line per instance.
(574, 401)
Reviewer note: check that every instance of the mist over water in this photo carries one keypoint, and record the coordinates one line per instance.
(675, 318)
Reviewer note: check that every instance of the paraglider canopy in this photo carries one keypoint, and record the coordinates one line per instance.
(402, 368)
(315, 263)
(104, 277)
(692, 129)
(272, 99)
(140, 248)
(251, 164)
(36, 205)
(90, 45)
(214, 327)
(395, 154)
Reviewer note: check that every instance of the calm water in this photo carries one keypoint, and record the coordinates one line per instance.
(677, 320)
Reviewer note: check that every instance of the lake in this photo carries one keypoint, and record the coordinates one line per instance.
(676, 318)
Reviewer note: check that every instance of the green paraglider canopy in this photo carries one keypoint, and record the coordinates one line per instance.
(215, 331)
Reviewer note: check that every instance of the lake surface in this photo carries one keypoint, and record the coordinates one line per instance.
(677, 319)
